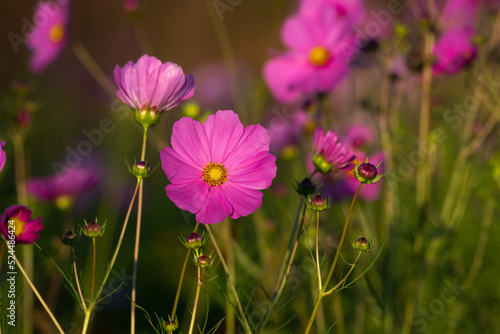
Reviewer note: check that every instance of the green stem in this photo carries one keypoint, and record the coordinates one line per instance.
(38, 296)
(332, 290)
(231, 284)
(137, 239)
(317, 252)
(285, 267)
(84, 307)
(86, 321)
(181, 279)
(195, 306)
(321, 294)
(93, 271)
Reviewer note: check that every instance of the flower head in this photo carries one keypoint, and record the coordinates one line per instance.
(361, 244)
(17, 219)
(70, 238)
(320, 46)
(93, 229)
(49, 36)
(63, 188)
(330, 154)
(152, 88)
(216, 169)
(359, 137)
(3, 156)
(366, 172)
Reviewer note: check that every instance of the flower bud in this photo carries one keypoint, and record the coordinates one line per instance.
(171, 325)
(70, 238)
(203, 261)
(141, 169)
(93, 229)
(361, 244)
(319, 204)
(366, 172)
(306, 187)
(194, 241)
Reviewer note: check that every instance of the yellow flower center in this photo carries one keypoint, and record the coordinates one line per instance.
(64, 202)
(214, 174)
(18, 226)
(57, 33)
(319, 56)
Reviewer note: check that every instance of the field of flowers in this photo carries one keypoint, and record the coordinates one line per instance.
(237, 166)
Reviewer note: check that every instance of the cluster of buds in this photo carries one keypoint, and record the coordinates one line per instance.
(195, 242)
(141, 169)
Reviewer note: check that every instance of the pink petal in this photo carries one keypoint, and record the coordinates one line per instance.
(255, 139)
(244, 201)
(298, 34)
(216, 208)
(190, 141)
(224, 130)
(257, 172)
(189, 196)
(177, 169)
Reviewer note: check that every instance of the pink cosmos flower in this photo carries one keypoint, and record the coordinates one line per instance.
(459, 13)
(454, 50)
(330, 154)
(358, 137)
(320, 43)
(152, 88)
(26, 230)
(64, 187)
(216, 169)
(49, 35)
(3, 156)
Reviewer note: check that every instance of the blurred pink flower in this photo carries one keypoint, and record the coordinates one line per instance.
(454, 50)
(3, 156)
(352, 11)
(130, 6)
(26, 230)
(151, 87)
(286, 131)
(216, 169)
(64, 187)
(329, 154)
(320, 44)
(359, 137)
(48, 37)
(459, 13)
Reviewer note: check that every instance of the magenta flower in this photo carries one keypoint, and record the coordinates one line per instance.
(352, 11)
(152, 88)
(459, 13)
(216, 169)
(320, 44)
(454, 51)
(64, 187)
(49, 36)
(358, 137)
(330, 154)
(17, 219)
(3, 156)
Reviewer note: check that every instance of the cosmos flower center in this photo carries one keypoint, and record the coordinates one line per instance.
(214, 174)
(319, 56)
(18, 226)
(63, 202)
(56, 33)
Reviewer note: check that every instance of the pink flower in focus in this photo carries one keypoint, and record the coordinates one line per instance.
(152, 88)
(49, 36)
(453, 51)
(63, 188)
(26, 230)
(317, 60)
(216, 169)
(3, 156)
(330, 154)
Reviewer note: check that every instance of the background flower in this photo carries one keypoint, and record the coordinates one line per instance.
(217, 168)
(50, 36)
(26, 229)
(3, 156)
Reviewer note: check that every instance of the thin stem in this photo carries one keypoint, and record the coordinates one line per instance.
(84, 307)
(137, 239)
(321, 294)
(195, 306)
(115, 254)
(38, 296)
(332, 290)
(93, 271)
(181, 279)
(93, 68)
(231, 284)
(86, 321)
(320, 286)
(289, 256)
